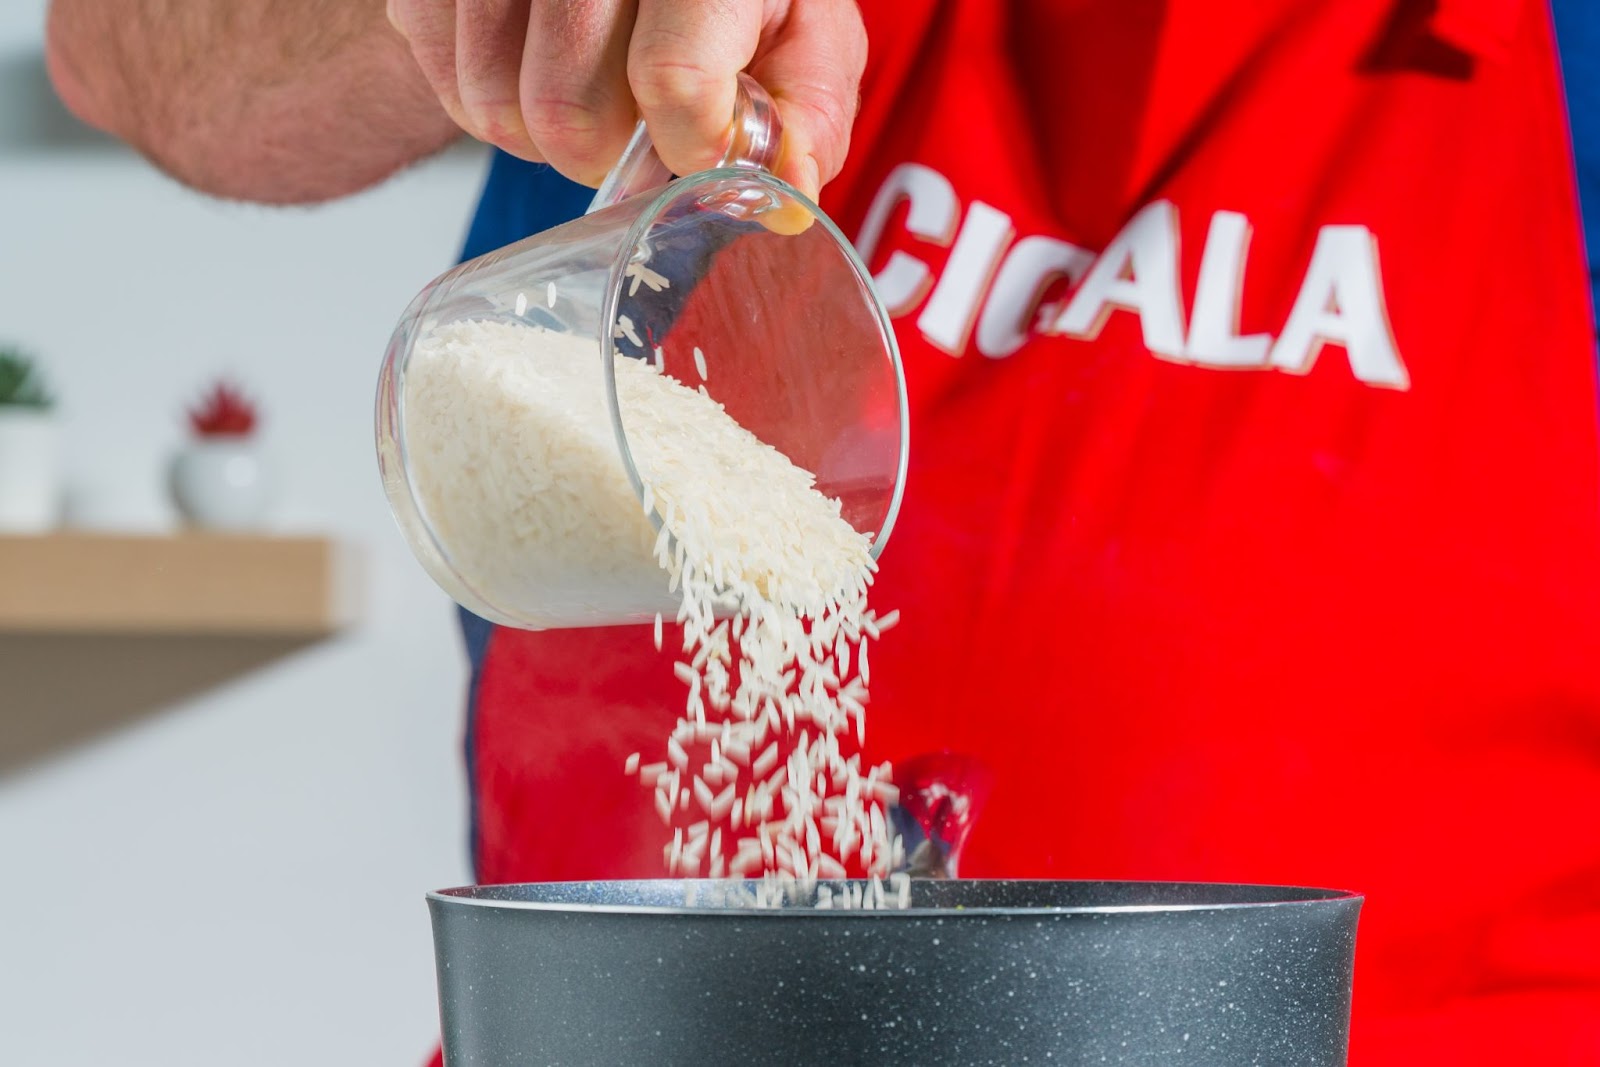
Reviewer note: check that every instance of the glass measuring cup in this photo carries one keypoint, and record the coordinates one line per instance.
(731, 281)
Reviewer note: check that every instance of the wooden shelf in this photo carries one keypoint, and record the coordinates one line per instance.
(191, 584)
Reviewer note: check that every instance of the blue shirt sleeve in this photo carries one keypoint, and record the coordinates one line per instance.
(1577, 25)
(520, 199)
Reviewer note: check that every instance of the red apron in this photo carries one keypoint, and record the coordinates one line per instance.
(1253, 524)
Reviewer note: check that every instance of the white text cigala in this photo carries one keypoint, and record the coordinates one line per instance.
(988, 292)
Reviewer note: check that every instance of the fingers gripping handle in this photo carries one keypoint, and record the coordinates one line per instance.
(756, 132)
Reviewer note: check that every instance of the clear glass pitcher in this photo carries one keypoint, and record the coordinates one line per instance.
(731, 281)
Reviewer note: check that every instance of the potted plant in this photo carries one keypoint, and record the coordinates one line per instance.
(218, 480)
(30, 448)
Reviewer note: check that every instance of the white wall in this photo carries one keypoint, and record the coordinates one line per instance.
(237, 879)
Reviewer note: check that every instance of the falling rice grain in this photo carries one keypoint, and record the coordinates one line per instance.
(744, 533)
(765, 762)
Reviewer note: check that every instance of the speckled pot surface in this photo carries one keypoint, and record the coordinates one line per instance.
(976, 972)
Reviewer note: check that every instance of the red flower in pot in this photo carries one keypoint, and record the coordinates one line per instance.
(218, 480)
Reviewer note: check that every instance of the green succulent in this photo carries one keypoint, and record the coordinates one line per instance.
(20, 382)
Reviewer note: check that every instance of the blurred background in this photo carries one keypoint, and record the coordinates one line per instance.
(230, 701)
(226, 780)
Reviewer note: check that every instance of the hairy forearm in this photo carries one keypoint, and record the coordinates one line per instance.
(282, 101)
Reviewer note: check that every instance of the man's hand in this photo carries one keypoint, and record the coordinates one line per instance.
(565, 81)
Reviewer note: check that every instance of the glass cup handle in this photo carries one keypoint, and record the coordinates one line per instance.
(757, 131)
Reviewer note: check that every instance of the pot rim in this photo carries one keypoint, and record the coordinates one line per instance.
(481, 896)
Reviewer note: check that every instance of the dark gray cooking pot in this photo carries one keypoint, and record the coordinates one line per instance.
(976, 972)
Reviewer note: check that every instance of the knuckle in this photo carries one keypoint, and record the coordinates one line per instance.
(572, 130)
(498, 127)
(487, 96)
(483, 109)
(665, 80)
(828, 123)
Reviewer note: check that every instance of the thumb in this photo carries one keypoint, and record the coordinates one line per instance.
(811, 63)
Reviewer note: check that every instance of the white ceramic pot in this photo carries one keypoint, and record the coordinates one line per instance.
(30, 470)
(220, 483)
